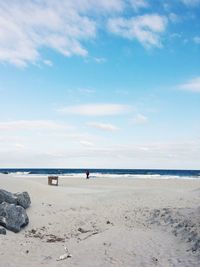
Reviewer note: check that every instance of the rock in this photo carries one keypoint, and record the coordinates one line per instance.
(13, 217)
(8, 197)
(2, 231)
(23, 199)
(12, 210)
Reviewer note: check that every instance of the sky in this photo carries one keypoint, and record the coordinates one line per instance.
(100, 84)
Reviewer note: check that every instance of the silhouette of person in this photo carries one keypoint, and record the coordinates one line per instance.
(87, 174)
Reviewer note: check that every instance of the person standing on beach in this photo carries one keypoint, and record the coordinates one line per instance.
(87, 174)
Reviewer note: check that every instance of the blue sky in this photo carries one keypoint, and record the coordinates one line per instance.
(108, 84)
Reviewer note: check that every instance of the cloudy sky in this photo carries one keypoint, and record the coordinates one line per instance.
(106, 84)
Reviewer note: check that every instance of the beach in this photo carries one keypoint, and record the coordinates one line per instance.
(105, 222)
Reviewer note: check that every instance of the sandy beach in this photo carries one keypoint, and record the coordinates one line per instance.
(105, 222)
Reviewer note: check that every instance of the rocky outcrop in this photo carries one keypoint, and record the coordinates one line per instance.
(12, 210)
(13, 217)
(21, 199)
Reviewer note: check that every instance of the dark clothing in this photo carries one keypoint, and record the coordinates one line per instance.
(87, 174)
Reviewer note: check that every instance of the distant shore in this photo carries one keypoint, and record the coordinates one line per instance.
(106, 222)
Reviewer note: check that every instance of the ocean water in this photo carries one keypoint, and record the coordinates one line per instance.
(109, 173)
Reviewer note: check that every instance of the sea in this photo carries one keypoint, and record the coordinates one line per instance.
(108, 173)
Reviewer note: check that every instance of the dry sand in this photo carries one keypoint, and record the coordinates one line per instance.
(106, 222)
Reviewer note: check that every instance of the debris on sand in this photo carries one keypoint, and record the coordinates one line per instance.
(65, 255)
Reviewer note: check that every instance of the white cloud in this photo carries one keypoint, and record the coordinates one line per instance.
(19, 146)
(191, 2)
(27, 26)
(100, 59)
(103, 126)
(137, 4)
(164, 154)
(96, 6)
(174, 17)
(48, 62)
(139, 119)
(86, 143)
(192, 85)
(95, 109)
(146, 29)
(176, 35)
(197, 39)
(32, 124)
(40, 151)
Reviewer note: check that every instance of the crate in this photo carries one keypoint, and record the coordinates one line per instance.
(53, 180)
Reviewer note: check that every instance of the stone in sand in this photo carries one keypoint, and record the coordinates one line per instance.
(13, 217)
(8, 197)
(21, 199)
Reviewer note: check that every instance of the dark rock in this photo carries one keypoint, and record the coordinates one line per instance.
(13, 217)
(2, 231)
(23, 199)
(8, 197)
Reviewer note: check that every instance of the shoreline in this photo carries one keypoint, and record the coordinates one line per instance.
(109, 173)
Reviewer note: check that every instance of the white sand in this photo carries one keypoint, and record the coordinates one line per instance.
(104, 222)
